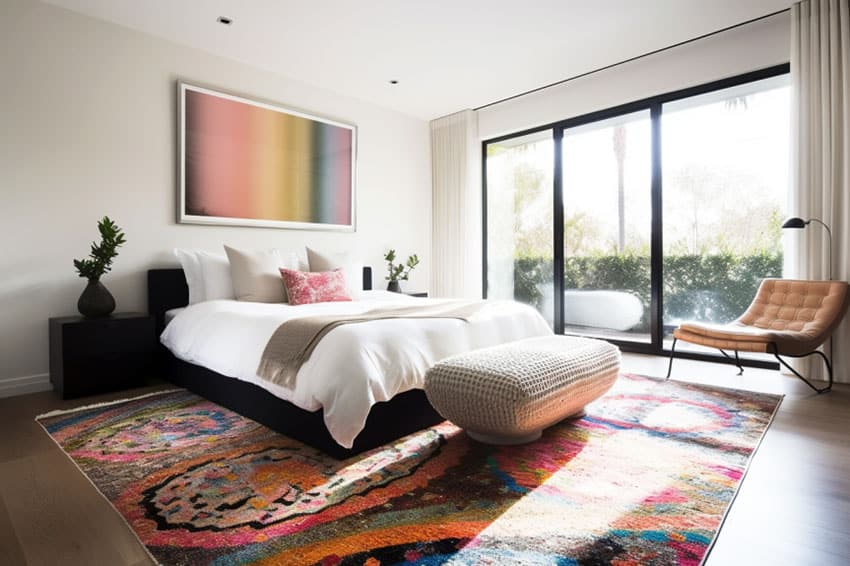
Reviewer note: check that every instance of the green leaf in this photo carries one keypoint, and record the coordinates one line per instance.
(101, 254)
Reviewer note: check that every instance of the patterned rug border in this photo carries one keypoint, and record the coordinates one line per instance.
(779, 396)
(60, 412)
(85, 475)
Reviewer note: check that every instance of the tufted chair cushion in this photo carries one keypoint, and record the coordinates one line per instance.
(792, 316)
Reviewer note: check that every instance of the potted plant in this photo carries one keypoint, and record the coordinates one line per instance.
(96, 300)
(398, 272)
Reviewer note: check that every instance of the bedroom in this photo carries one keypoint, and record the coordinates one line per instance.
(89, 128)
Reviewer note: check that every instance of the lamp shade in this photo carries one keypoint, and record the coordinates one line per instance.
(794, 222)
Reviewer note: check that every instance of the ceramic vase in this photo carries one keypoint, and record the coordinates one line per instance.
(96, 300)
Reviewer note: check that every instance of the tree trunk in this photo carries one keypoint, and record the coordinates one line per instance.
(620, 154)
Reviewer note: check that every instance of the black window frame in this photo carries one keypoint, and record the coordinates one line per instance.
(653, 105)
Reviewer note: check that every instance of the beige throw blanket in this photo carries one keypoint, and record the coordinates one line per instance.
(294, 340)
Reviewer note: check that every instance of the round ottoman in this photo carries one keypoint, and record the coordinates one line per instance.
(508, 394)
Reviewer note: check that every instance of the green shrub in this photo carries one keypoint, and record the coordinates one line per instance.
(714, 288)
(529, 273)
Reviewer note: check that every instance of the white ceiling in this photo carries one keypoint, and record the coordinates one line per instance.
(447, 55)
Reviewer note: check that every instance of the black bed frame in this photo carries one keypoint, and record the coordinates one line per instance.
(403, 414)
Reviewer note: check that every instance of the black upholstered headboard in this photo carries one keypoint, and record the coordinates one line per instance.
(167, 290)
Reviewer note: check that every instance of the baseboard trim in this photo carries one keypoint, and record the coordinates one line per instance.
(22, 385)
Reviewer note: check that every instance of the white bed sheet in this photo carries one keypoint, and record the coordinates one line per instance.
(354, 366)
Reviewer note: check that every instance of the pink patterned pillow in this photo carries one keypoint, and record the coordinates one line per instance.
(304, 287)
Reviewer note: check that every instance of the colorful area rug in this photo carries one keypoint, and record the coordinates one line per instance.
(645, 478)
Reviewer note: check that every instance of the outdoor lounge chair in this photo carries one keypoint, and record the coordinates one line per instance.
(788, 317)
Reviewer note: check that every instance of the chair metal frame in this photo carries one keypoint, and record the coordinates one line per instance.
(772, 349)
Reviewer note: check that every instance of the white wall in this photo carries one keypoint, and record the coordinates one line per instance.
(755, 46)
(87, 128)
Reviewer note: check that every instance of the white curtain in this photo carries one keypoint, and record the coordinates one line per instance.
(456, 206)
(820, 75)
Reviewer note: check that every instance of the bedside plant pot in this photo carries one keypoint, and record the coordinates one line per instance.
(394, 287)
(96, 300)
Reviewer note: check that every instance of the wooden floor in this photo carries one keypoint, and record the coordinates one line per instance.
(793, 508)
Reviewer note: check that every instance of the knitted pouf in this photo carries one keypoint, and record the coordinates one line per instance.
(508, 394)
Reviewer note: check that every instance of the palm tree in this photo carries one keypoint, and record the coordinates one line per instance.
(619, 140)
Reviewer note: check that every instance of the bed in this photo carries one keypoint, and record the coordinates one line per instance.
(360, 388)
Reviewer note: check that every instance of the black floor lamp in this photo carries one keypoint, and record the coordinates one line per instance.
(796, 222)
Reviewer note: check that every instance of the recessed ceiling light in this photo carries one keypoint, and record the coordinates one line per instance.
(224, 20)
(393, 82)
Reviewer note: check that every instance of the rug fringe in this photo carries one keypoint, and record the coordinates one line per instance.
(59, 412)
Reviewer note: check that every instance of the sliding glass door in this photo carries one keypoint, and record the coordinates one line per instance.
(725, 178)
(606, 172)
(623, 223)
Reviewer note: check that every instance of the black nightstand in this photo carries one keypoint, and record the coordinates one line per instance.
(89, 356)
(422, 294)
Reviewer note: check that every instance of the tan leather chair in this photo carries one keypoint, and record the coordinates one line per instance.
(788, 317)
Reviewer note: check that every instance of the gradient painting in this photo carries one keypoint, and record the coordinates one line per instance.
(249, 163)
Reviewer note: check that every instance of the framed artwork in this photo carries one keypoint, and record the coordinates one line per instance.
(249, 163)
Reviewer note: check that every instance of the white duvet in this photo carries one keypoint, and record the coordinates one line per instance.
(355, 365)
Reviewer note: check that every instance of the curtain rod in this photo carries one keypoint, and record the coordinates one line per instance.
(635, 58)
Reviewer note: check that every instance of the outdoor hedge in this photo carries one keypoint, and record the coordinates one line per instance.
(714, 288)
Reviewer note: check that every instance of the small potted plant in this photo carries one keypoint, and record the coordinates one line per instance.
(398, 271)
(96, 300)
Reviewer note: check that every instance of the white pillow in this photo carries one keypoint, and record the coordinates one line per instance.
(352, 270)
(215, 270)
(194, 277)
(256, 274)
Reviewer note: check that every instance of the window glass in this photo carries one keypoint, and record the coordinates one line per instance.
(519, 219)
(607, 187)
(725, 179)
